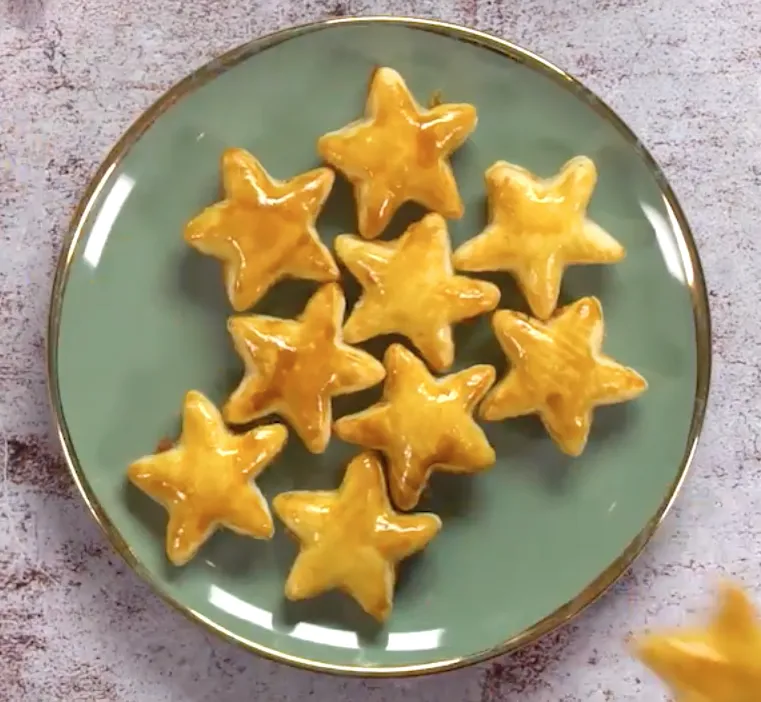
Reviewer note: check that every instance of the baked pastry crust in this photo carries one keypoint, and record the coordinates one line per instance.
(423, 424)
(537, 228)
(351, 538)
(409, 288)
(399, 152)
(294, 367)
(205, 480)
(559, 372)
(719, 663)
(264, 229)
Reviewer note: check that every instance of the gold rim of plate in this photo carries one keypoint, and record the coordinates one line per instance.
(688, 254)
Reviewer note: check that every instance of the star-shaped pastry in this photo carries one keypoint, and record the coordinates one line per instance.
(409, 288)
(264, 229)
(423, 424)
(205, 480)
(538, 227)
(351, 538)
(399, 152)
(294, 367)
(559, 372)
(721, 663)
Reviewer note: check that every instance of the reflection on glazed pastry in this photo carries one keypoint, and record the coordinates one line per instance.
(409, 288)
(719, 663)
(351, 538)
(423, 424)
(538, 227)
(264, 229)
(558, 371)
(205, 480)
(294, 367)
(399, 152)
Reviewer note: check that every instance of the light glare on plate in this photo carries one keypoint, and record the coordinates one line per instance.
(107, 215)
(415, 640)
(238, 608)
(669, 242)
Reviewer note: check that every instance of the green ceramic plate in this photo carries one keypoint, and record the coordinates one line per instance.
(138, 318)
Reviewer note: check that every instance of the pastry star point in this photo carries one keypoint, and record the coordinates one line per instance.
(537, 228)
(264, 228)
(294, 367)
(205, 480)
(559, 372)
(718, 663)
(423, 424)
(351, 539)
(399, 152)
(409, 288)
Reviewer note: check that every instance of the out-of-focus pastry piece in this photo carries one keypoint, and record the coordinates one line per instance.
(264, 229)
(351, 538)
(537, 228)
(559, 372)
(718, 663)
(423, 424)
(205, 479)
(294, 367)
(399, 152)
(409, 288)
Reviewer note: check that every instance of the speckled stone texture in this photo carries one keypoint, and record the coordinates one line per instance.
(75, 623)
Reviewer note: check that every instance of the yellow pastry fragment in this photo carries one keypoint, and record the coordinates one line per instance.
(351, 538)
(205, 480)
(558, 371)
(423, 424)
(294, 367)
(264, 229)
(409, 288)
(718, 663)
(399, 152)
(538, 227)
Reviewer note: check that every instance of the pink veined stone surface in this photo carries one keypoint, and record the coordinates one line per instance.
(75, 623)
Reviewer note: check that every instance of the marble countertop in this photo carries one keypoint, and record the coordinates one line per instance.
(75, 622)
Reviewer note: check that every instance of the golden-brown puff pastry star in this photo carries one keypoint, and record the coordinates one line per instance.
(537, 228)
(294, 367)
(351, 538)
(206, 479)
(423, 424)
(264, 229)
(559, 372)
(409, 288)
(721, 663)
(398, 152)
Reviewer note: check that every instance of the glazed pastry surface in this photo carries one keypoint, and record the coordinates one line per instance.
(558, 371)
(351, 539)
(399, 152)
(423, 424)
(294, 367)
(719, 663)
(205, 480)
(538, 227)
(264, 229)
(409, 288)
